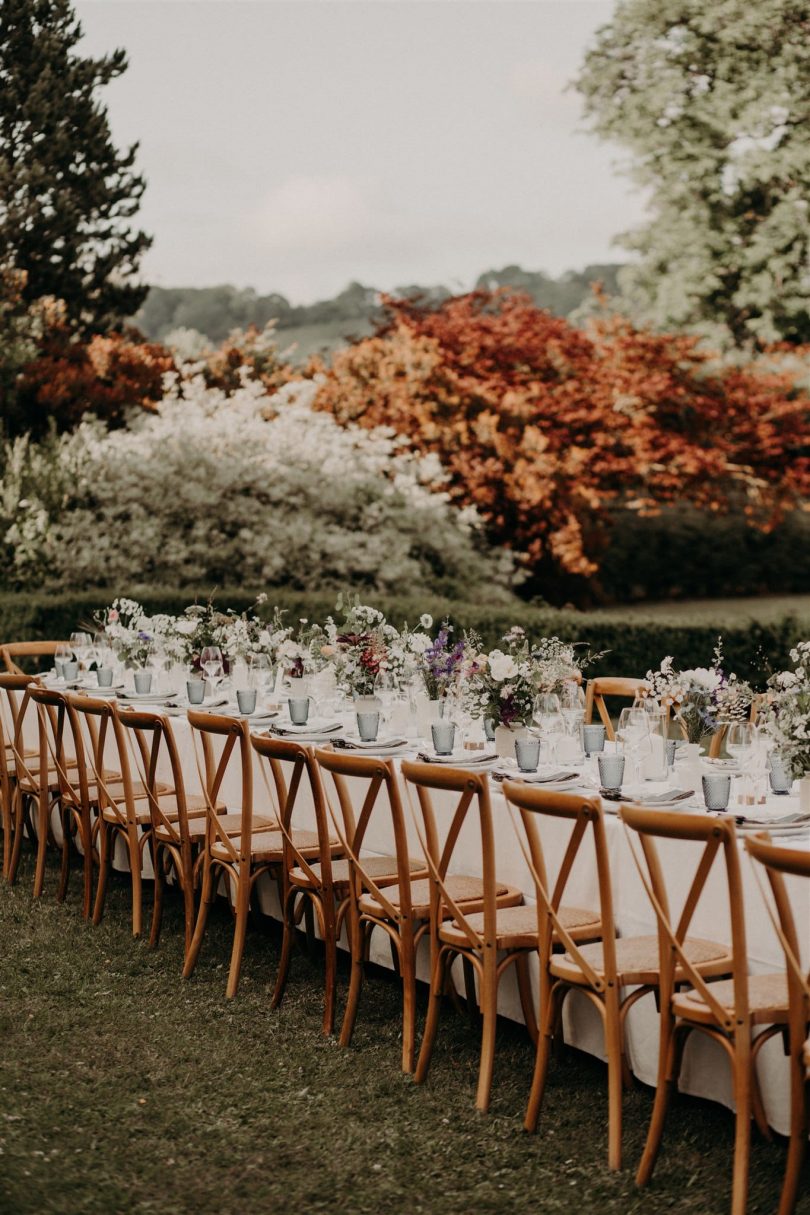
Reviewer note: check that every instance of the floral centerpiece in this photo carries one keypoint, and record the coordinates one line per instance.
(787, 715)
(702, 698)
(442, 662)
(363, 646)
(504, 683)
(135, 637)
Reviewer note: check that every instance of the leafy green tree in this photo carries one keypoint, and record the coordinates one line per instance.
(713, 102)
(67, 195)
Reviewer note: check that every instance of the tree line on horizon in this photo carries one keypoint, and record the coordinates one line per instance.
(216, 311)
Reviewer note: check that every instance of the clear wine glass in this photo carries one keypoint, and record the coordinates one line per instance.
(80, 644)
(260, 673)
(633, 734)
(740, 739)
(62, 653)
(211, 663)
(572, 706)
(547, 717)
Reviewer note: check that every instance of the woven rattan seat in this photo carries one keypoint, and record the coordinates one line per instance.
(637, 958)
(380, 868)
(468, 891)
(517, 926)
(767, 998)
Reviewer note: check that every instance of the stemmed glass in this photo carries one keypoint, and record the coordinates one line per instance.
(572, 707)
(741, 738)
(63, 653)
(634, 735)
(547, 717)
(260, 673)
(80, 644)
(211, 663)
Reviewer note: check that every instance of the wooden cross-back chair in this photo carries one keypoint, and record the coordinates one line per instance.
(727, 1010)
(15, 703)
(474, 925)
(601, 970)
(71, 789)
(122, 812)
(780, 862)
(30, 775)
(384, 890)
(177, 817)
(239, 845)
(597, 689)
(310, 874)
(26, 649)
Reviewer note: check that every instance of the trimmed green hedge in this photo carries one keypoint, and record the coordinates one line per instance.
(635, 643)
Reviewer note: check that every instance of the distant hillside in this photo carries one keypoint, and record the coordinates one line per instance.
(321, 327)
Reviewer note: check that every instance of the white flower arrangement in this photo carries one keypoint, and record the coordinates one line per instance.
(702, 698)
(787, 714)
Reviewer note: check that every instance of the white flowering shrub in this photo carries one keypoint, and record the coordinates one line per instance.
(214, 489)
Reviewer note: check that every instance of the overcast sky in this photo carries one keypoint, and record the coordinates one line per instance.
(295, 145)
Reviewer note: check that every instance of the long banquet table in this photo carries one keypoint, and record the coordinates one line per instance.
(705, 1071)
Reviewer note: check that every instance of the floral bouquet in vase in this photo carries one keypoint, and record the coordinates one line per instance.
(702, 699)
(787, 717)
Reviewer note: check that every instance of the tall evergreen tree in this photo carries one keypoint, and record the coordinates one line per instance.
(67, 195)
(713, 102)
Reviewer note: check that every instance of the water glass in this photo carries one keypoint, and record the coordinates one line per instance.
(143, 682)
(368, 725)
(246, 699)
(611, 772)
(444, 736)
(104, 675)
(70, 671)
(489, 729)
(593, 739)
(527, 753)
(195, 691)
(780, 776)
(299, 710)
(716, 790)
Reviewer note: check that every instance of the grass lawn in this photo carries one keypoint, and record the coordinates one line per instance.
(124, 1089)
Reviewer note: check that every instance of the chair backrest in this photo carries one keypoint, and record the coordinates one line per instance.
(597, 689)
(718, 837)
(26, 649)
(587, 821)
(235, 737)
(147, 737)
(372, 800)
(440, 836)
(16, 708)
(94, 723)
(289, 762)
(56, 723)
(779, 862)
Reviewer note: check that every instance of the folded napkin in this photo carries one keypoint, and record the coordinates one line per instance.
(667, 798)
(379, 744)
(311, 727)
(181, 702)
(537, 778)
(459, 759)
(763, 821)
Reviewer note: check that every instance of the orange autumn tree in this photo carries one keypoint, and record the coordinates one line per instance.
(549, 429)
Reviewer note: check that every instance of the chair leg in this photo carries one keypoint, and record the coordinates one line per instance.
(489, 1011)
(667, 1079)
(469, 990)
(135, 863)
(239, 933)
(545, 1037)
(43, 812)
(526, 999)
(357, 940)
(104, 851)
(407, 962)
(742, 1122)
(86, 833)
(157, 900)
(206, 898)
(188, 908)
(798, 1133)
(330, 968)
(613, 1043)
(16, 849)
(286, 949)
(437, 971)
(64, 869)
